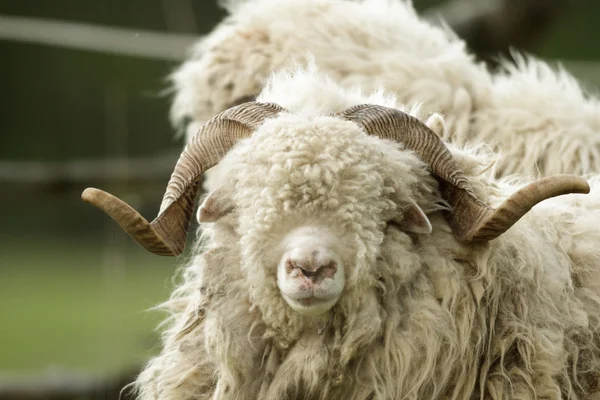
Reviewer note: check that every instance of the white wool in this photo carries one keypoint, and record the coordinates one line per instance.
(371, 44)
(538, 119)
(542, 120)
(331, 99)
(421, 316)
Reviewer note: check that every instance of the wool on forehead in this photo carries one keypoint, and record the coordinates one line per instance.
(309, 91)
(320, 164)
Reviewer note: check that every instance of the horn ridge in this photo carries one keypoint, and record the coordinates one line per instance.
(167, 233)
(499, 220)
(471, 220)
(130, 221)
(209, 145)
(393, 124)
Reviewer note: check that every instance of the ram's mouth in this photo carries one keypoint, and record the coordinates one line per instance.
(310, 306)
(309, 301)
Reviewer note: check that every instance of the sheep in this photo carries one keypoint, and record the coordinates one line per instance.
(349, 253)
(540, 120)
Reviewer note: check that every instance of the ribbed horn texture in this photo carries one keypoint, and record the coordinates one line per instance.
(499, 220)
(471, 220)
(167, 234)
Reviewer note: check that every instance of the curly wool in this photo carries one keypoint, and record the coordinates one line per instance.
(422, 316)
(541, 121)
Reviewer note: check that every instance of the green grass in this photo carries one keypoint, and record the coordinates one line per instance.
(79, 306)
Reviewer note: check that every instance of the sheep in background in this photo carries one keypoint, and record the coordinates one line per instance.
(540, 120)
(349, 257)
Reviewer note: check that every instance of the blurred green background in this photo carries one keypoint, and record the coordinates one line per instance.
(74, 289)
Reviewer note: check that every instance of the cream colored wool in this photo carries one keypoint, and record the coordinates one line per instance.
(421, 316)
(539, 120)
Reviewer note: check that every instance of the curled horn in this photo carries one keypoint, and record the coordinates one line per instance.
(471, 220)
(167, 234)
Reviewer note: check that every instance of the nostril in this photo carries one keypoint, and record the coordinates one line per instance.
(311, 275)
(289, 266)
(328, 270)
(310, 271)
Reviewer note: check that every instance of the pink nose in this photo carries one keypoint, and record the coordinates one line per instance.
(313, 266)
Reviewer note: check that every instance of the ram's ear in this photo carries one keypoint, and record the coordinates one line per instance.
(414, 220)
(435, 122)
(215, 206)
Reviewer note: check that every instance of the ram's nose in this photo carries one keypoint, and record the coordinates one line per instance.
(314, 265)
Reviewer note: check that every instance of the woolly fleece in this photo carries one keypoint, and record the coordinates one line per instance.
(539, 119)
(421, 317)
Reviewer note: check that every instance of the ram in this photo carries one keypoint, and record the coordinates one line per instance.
(540, 120)
(349, 253)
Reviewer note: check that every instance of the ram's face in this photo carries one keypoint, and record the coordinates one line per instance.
(312, 197)
(311, 202)
(311, 270)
